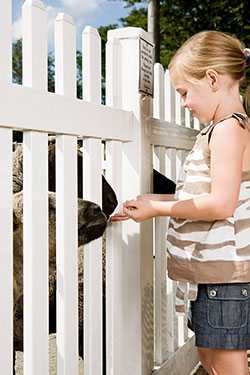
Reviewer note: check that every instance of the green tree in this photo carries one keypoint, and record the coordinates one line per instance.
(179, 19)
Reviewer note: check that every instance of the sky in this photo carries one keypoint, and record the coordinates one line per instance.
(93, 13)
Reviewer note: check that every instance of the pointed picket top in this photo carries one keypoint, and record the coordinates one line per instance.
(5, 42)
(91, 30)
(158, 100)
(65, 47)
(113, 99)
(65, 17)
(34, 3)
(34, 27)
(170, 103)
(91, 65)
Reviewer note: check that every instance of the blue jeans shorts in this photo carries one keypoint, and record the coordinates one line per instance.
(220, 316)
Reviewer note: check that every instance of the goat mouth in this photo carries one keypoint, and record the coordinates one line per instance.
(92, 231)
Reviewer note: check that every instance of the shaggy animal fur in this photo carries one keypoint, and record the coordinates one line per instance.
(91, 225)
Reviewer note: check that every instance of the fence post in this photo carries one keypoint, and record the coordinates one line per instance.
(136, 292)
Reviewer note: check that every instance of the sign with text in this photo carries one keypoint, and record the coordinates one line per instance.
(146, 68)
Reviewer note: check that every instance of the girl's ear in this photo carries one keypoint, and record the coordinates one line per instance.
(213, 79)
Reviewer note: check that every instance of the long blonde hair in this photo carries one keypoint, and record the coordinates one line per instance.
(213, 49)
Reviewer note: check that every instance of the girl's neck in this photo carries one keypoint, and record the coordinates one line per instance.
(230, 103)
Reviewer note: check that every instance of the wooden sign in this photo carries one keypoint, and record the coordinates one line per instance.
(146, 68)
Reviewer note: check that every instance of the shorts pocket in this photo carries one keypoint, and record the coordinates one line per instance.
(227, 305)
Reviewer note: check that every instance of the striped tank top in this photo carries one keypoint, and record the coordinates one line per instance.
(201, 251)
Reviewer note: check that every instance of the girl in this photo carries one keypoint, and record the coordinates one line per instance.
(208, 239)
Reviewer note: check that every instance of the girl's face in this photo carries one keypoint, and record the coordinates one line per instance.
(196, 96)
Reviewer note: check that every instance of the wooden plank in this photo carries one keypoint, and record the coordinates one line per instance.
(67, 255)
(6, 252)
(182, 362)
(170, 135)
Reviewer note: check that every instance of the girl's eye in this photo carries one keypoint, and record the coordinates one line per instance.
(183, 95)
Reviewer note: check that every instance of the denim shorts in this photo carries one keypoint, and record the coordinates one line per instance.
(220, 316)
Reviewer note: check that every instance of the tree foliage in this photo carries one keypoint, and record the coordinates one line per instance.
(179, 19)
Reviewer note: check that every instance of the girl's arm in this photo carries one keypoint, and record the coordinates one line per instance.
(156, 197)
(226, 171)
(120, 216)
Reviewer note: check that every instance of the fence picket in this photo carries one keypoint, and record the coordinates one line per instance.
(170, 99)
(93, 277)
(178, 119)
(114, 268)
(35, 252)
(160, 291)
(5, 42)
(158, 100)
(180, 319)
(187, 118)
(6, 252)
(91, 65)
(171, 173)
(65, 51)
(112, 73)
(66, 255)
(34, 27)
(35, 198)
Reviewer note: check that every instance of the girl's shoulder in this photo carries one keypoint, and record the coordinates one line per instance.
(233, 125)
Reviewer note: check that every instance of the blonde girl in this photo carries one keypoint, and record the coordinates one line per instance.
(208, 239)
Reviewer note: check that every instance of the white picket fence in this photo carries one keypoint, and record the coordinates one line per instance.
(143, 335)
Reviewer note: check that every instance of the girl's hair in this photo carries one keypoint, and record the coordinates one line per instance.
(212, 49)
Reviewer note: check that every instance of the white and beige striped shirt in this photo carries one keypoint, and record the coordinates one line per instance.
(208, 251)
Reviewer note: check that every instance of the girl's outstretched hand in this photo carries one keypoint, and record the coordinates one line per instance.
(119, 215)
(140, 209)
